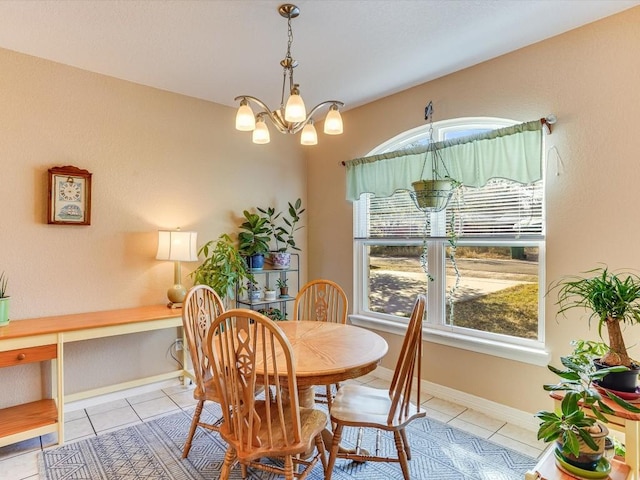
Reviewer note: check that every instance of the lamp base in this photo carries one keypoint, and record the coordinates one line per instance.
(176, 295)
(174, 305)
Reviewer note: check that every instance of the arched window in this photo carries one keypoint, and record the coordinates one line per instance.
(485, 291)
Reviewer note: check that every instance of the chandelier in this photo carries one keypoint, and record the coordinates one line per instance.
(291, 117)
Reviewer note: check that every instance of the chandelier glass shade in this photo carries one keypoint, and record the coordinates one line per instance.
(291, 116)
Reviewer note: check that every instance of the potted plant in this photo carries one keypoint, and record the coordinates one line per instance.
(223, 267)
(273, 313)
(282, 284)
(580, 439)
(254, 239)
(282, 227)
(612, 299)
(4, 300)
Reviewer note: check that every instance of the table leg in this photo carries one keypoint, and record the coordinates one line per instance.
(631, 439)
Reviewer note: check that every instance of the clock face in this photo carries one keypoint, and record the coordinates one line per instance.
(69, 191)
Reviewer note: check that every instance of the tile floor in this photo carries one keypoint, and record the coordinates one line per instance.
(19, 461)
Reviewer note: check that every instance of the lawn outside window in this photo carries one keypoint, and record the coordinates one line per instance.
(497, 296)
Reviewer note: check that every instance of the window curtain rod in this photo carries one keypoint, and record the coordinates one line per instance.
(546, 122)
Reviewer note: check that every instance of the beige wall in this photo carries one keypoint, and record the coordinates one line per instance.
(590, 79)
(159, 160)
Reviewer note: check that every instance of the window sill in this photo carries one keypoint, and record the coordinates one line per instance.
(518, 353)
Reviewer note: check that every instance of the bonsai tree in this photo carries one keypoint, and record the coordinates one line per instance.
(571, 425)
(283, 232)
(223, 268)
(611, 298)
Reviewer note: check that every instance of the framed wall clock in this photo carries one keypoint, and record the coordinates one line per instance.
(69, 196)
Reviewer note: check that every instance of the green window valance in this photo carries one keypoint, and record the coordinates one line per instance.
(513, 153)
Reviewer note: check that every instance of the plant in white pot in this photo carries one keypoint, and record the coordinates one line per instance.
(4, 300)
(282, 227)
(611, 299)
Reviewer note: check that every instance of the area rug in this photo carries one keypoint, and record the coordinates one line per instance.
(153, 450)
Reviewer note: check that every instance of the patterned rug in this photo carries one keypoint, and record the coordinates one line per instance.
(152, 451)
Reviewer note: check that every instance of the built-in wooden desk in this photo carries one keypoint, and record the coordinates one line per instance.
(41, 339)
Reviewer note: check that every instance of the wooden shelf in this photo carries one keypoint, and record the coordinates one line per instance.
(547, 469)
(28, 417)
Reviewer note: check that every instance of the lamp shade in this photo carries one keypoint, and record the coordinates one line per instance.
(333, 122)
(261, 132)
(295, 110)
(309, 135)
(245, 121)
(177, 246)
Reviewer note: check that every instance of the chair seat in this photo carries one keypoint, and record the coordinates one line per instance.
(208, 394)
(312, 423)
(367, 406)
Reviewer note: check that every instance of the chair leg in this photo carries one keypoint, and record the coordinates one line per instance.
(329, 396)
(407, 448)
(288, 467)
(335, 445)
(402, 456)
(229, 460)
(192, 429)
(321, 452)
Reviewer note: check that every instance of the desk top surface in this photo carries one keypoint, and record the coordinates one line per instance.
(83, 321)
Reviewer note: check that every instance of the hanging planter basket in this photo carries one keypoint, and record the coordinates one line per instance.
(432, 194)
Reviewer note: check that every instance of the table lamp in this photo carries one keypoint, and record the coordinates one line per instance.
(177, 246)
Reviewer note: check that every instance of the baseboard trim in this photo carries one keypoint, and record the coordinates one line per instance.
(493, 409)
(119, 395)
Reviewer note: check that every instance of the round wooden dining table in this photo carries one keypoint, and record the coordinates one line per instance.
(326, 353)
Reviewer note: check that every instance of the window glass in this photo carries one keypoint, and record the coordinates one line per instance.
(486, 284)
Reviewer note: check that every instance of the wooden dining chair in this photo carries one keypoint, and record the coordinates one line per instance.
(324, 301)
(201, 306)
(389, 410)
(246, 348)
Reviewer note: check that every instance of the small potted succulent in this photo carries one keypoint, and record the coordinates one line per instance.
(282, 284)
(612, 299)
(4, 300)
(282, 227)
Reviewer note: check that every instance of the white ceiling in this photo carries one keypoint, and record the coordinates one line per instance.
(350, 50)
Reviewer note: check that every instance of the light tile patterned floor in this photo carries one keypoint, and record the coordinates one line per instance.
(19, 461)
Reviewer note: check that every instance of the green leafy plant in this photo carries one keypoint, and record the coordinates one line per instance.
(254, 236)
(273, 313)
(223, 267)
(282, 226)
(572, 424)
(612, 298)
(282, 282)
(3, 285)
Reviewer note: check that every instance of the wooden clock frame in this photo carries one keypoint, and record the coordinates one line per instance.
(69, 199)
